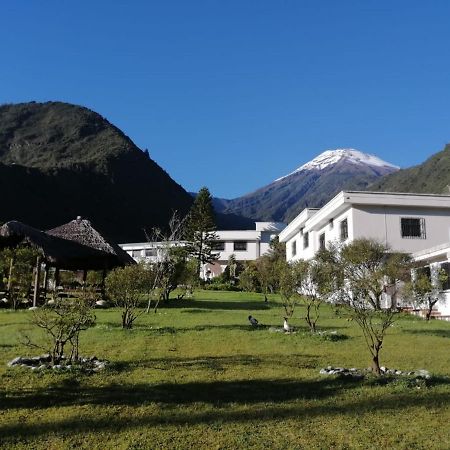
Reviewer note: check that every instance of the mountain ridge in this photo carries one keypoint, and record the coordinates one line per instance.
(61, 160)
(310, 185)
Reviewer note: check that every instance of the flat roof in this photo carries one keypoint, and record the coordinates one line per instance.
(345, 199)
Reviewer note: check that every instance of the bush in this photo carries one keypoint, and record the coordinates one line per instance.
(222, 287)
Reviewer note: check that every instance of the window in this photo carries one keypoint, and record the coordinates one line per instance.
(344, 230)
(424, 272)
(218, 245)
(322, 241)
(151, 252)
(331, 223)
(294, 248)
(240, 246)
(306, 240)
(446, 268)
(413, 228)
(135, 253)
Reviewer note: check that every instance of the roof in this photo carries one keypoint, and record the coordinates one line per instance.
(58, 252)
(81, 231)
(345, 199)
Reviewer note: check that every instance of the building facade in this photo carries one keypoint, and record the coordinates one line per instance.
(438, 258)
(245, 245)
(402, 222)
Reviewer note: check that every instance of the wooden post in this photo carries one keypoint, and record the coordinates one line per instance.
(84, 276)
(56, 277)
(11, 266)
(103, 292)
(46, 281)
(36, 281)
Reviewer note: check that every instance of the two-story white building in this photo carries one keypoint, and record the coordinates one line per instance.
(402, 222)
(245, 245)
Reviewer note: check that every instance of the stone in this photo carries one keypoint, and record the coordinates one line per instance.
(32, 308)
(101, 304)
(15, 361)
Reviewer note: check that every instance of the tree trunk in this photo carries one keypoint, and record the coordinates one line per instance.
(375, 359)
(46, 282)
(37, 281)
(11, 267)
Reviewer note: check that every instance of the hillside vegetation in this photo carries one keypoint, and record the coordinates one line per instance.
(58, 161)
(432, 176)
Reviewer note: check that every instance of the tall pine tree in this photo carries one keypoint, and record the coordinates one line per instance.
(200, 229)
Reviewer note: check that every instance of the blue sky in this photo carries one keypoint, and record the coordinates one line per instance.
(233, 94)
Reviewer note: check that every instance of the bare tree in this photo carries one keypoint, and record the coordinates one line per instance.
(62, 324)
(361, 272)
(126, 287)
(289, 287)
(171, 266)
(426, 290)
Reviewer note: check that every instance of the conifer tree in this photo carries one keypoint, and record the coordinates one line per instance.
(200, 229)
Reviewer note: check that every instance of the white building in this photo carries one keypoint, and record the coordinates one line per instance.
(402, 222)
(437, 258)
(245, 245)
(149, 252)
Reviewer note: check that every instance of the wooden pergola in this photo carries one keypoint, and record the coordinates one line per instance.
(75, 246)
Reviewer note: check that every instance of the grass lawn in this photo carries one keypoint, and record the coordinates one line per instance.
(195, 375)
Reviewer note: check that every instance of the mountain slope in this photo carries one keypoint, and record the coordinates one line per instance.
(312, 184)
(432, 176)
(59, 161)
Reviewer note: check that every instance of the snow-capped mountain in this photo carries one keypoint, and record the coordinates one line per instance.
(350, 155)
(311, 185)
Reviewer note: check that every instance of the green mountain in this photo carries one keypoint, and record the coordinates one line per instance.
(59, 161)
(432, 177)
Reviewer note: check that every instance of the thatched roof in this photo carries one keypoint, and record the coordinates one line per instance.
(58, 252)
(81, 231)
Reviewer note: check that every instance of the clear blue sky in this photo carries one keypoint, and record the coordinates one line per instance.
(233, 94)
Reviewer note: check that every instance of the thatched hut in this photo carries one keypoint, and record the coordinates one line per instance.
(82, 232)
(73, 246)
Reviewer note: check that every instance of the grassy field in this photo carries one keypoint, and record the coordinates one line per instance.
(195, 375)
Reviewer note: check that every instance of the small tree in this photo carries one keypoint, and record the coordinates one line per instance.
(62, 324)
(171, 267)
(126, 286)
(248, 279)
(200, 229)
(426, 291)
(361, 274)
(289, 288)
(17, 265)
(309, 277)
(266, 274)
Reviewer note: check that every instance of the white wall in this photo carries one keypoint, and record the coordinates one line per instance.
(250, 254)
(332, 234)
(383, 224)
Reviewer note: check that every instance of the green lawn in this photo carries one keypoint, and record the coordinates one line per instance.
(195, 375)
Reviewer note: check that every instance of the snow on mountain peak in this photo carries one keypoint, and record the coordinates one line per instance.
(330, 157)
